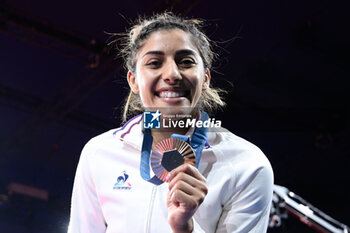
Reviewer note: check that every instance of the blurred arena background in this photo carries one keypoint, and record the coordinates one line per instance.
(284, 63)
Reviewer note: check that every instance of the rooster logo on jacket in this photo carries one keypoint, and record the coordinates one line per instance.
(122, 182)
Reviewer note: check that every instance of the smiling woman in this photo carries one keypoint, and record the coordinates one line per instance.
(214, 180)
(192, 53)
(169, 72)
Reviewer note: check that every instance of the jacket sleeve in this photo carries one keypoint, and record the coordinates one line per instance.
(86, 214)
(196, 227)
(248, 209)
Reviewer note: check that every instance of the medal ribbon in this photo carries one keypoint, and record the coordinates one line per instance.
(199, 138)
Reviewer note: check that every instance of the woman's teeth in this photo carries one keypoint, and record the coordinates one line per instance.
(171, 94)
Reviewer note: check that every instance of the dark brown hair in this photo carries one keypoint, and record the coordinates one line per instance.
(134, 39)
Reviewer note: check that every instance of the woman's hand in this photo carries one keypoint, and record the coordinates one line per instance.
(187, 190)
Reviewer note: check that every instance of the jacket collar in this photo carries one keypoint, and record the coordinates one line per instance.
(131, 132)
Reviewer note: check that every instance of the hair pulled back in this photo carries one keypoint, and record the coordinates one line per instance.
(135, 38)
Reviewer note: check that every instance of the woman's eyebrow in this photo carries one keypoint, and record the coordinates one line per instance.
(184, 52)
(154, 52)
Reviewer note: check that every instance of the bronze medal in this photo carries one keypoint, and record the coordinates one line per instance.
(169, 154)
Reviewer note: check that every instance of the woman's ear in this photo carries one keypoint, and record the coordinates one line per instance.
(207, 78)
(132, 82)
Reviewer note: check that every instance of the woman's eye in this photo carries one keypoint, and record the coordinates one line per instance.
(153, 63)
(187, 62)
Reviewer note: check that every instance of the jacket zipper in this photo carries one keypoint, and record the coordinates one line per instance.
(150, 209)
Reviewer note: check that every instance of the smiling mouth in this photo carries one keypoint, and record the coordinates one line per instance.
(172, 94)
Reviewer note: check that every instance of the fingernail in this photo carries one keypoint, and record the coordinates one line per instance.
(172, 196)
(167, 178)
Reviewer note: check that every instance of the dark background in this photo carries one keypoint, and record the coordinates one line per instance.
(285, 64)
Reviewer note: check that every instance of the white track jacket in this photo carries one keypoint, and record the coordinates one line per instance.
(110, 196)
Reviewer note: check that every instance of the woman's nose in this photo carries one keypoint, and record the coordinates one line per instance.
(171, 73)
